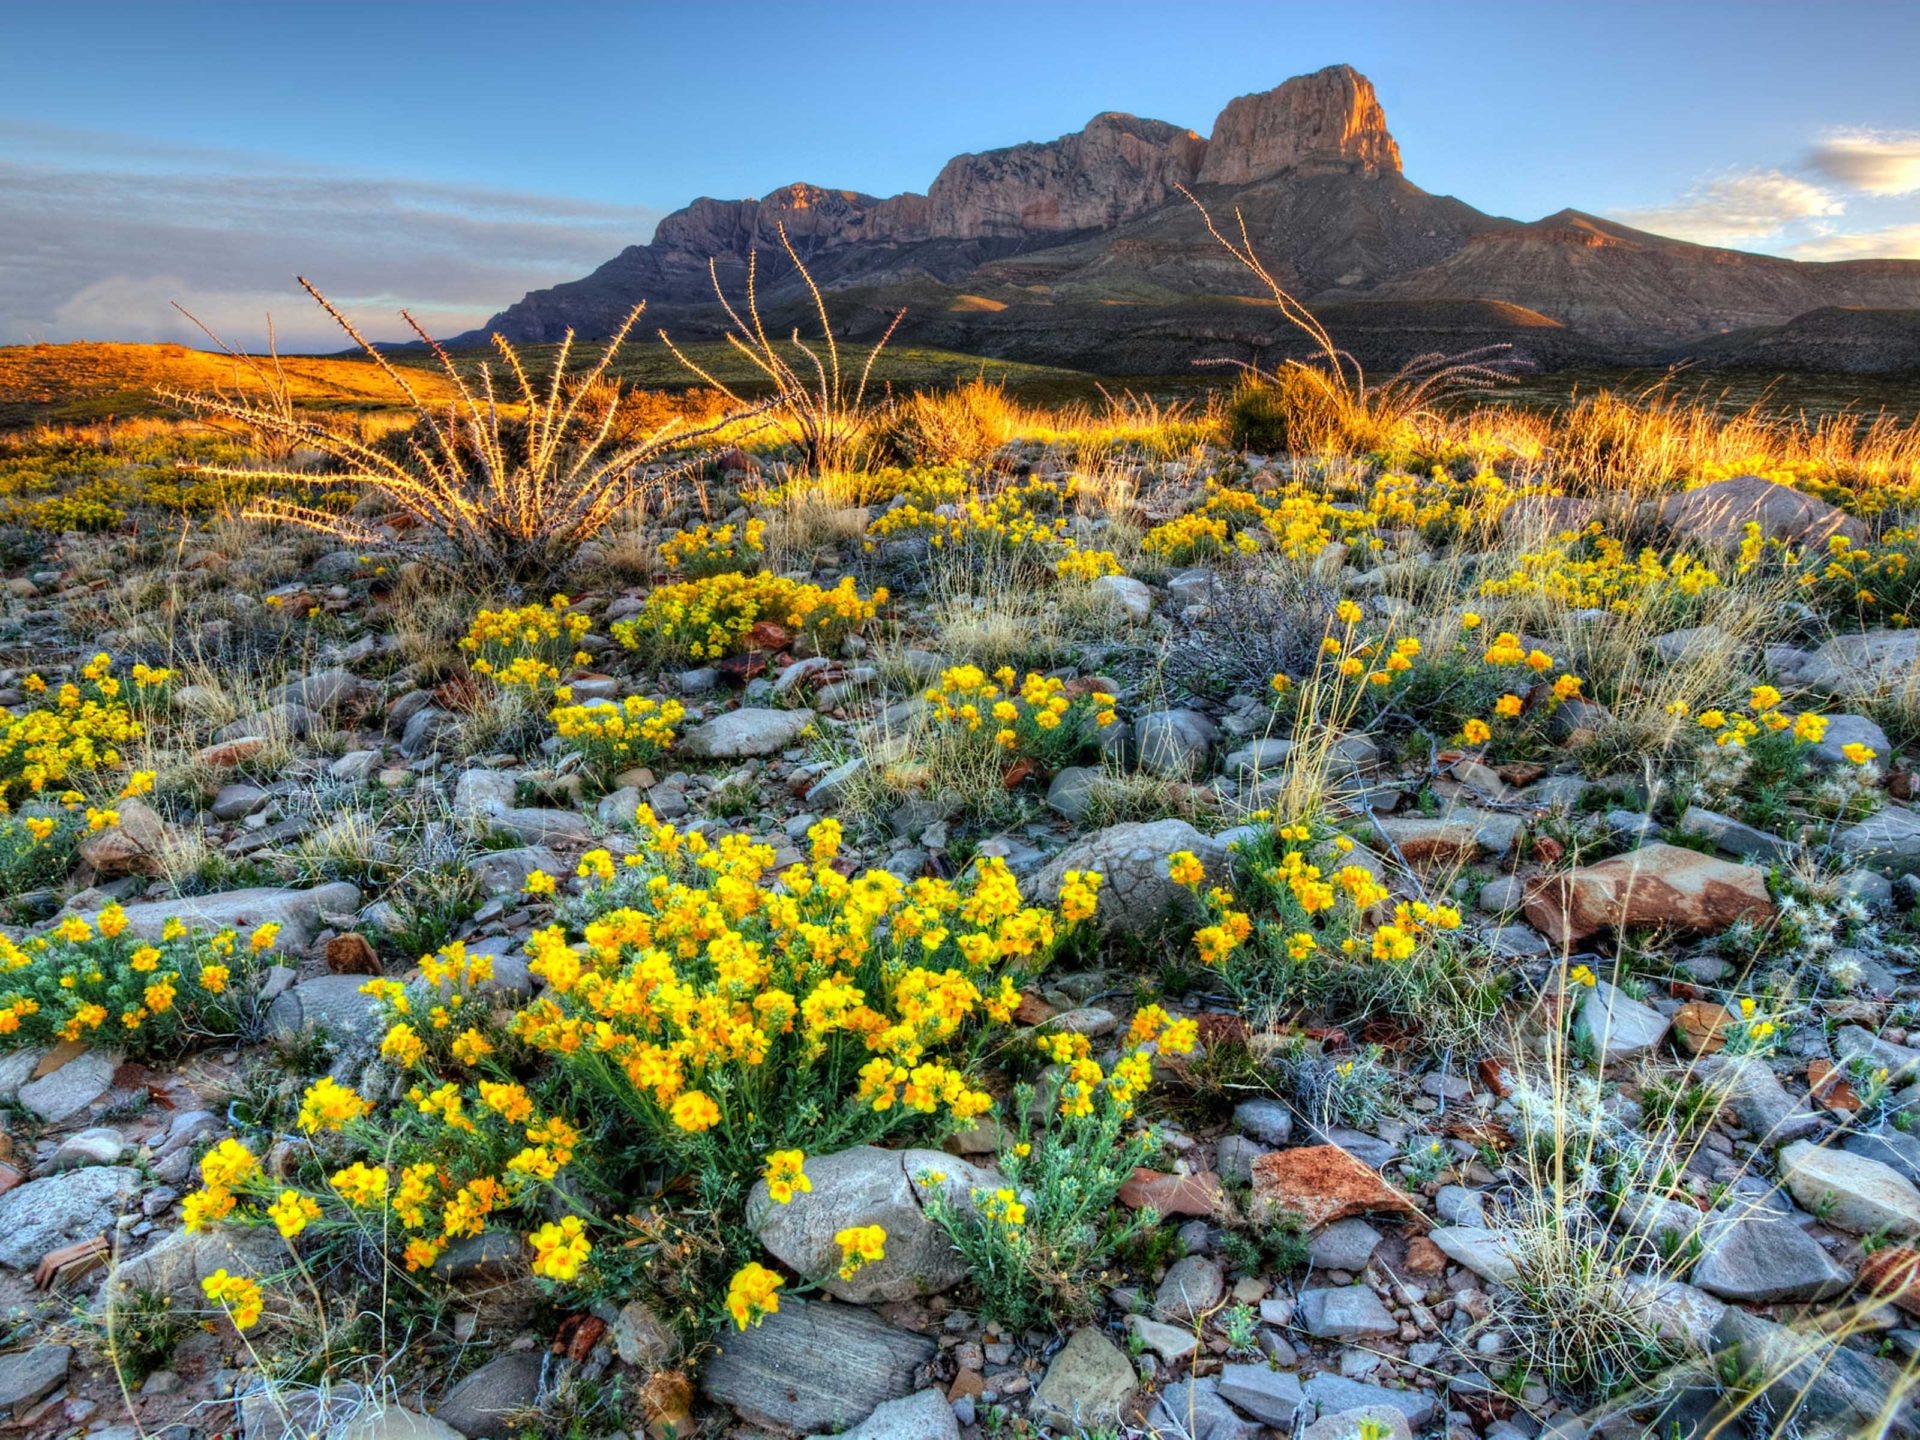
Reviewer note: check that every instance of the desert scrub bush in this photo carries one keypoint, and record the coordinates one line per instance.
(1036, 719)
(610, 737)
(714, 549)
(1874, 583)
(525, 647)
(1259, 620)
(1037, 1247)
(91, 981)
(37, 847)
(719, 615)
(825, 414)
(1590, 570)
(1018, 532)
(507, 485)
(1758, 766)
(75, 729)
(966, 425)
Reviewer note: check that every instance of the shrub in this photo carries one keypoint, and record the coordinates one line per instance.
(524, 648)
(611, 737)
(1037, 720)
(712, 550)
(76, 729)
(713, 617)
(504, 485)
(84, 980)
(37, 848)
(966, 425)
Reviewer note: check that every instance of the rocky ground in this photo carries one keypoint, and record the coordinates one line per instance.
(1331, 1254)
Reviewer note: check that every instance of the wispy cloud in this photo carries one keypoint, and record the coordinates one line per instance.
(1740, 208)
(1873, 161)
(1890, 242)
(98, 235)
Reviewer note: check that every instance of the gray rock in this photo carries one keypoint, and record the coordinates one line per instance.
(1268, 1121)
(1849, 1191)
(832, 787)
(1679, 646)
(1621, 1026)
(1861, 665)
(234, 802)
(870, 1186)
(1895, 1149)
(1088, 1385)
(533, 825)
(1073, 790)
(335, 1004)
(381, 1421)
(1810, 1382)
(1136, 896)
(1762, 1259)
(1334, 1393)
(174, 1267)
(1343, 1245)
(1458, 1205)
(424, 731)
(1718, 514)
(1192, 1287)
(1193, 1410)
(1234, 1156)
(1128, 595)
(1346, 1312)
(641, 1338)
(742, 734)
(1273, 1397)
(1261, 758)
(101, 1145)
(813, 1367)
(1901, 1062)
(1173, 743)
(505, 872)
(29, 1376)
(924, 1415)
(1347, 1424)
(323, 690)
(1844, 730)
(1171, 1343)
(296, 912)
(355, 765)
(1672, 1310)
(43, 1215)
(1888, 841)
(1757, 1097)
(482, 792)
(1735, 837)
(481, 1404)
(64, 1093)
(1487, 1253)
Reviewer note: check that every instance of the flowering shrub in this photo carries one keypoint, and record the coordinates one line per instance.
(712, 550)
(1012, 527)
(610, 738)
(75, 729)
(1759, 766)
(1038, 719)
(710, 618)
(525, 648)
(1590, 570)
(37, 847)
(1033, 1245)
(84, 980)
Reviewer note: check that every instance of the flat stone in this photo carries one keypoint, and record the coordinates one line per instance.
(1895, 1149)
(1346, 1312)
(1860, 665)
(336, 1004)
(1318, 1184)
(924, 1415)
(1193, 1286)
(481, 1404)
(1487, 1253)
(43, 1215)
(28, 1376)
(1136, 897)
(1621, 1026)
(1333, 1393)
(1197, 1195)
(175, 1265)
(1172, 1343)
(1268, 1121)
(296, 912)
(1663, 885)
(1735, 837)
(1855, 1042)
(100, 1145)
(1273, 1397)
(1128, 595)
(744, 733)
(505, 872)
(1089, 1384)
(1849, 1191)
(1811, 1387)
(64, 1093)
(1888, 841)
(1718, 514)
(1343, 1245)
(1844, 730)
(1193, 1410)
(1757, 1098)
(1173, 744)
(1388, 1423)
(1762, 1258)
(812, 1367)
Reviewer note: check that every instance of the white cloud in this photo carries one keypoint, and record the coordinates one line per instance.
(95, 245)
(1877, 162)
(1890, 242)
(1738, 208)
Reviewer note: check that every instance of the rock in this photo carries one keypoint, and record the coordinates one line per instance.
(380, 1421)
(1173, 744)
(481, 1404)
(1346, 1312)
(1088, 1385)
(870, 1186)
(324, 690)
(236, 802)
(1654, 885)
(1763, 1258)
(1678, 647)
(1198, 1195)
(1810, 1381)
(833, 786)
(537, 826)
(1735, 837)
(505, 872)
(1129, 596)
(335, 1004)
(1487, 1253)
(1257, 759)
(1318, 1184)
(174, 1267)
(1888, 841)
(1621, 1026)
(1388, 1423)
(1459, 836)
(1192, 1287)
(1136, 896)
(640, 1338)
(1172, 1343)
(813, 1367)
(1457, 1205)
(1718, 514)
(1343, 1245)
(424, 731)
(1844, 730)
(296, 912)
(1235, 1154)
(1757, 1097)
(29, 1376)
(1861, 665)
(1193, 1410)
(43, 1215)
(1700, 1027)
(136, 846)
(1335, 1393)
(101, 1145)
(1671, 1309)
(741, 734)
(1901, 1062)
(1849, 1191)
(924, 1415)
(1329, 122)
(1268, 1121)
(63, 1093)
(1273, 1397)
(1073, 790)
(1893, 1148)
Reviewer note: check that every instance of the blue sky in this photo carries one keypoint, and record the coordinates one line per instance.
(450, 156)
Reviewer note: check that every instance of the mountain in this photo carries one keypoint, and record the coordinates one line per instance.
(1082, 251)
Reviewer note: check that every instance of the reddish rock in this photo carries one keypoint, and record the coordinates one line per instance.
(1032, 1010)
(1318, 1184)
(352, 954)
(1661, 885)
(229, 753)
(1699, 1026)
(1892, 1277)
(133, 847)
(1830, 1087)
(1197, 1196)
(1425, 1260)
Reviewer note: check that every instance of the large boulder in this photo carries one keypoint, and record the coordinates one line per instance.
(1664, 885)
(1859, 665)
(1136, 897)
(870, 1186)
(1718, 515)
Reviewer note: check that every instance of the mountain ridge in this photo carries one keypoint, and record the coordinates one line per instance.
(1006, 245)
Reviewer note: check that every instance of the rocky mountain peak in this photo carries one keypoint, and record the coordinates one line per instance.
(1329, 122)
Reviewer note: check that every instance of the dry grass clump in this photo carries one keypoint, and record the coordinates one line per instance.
(508, 484)
(963, 426)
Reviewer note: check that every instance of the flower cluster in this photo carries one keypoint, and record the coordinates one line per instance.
(712, 549)
(714, 616)
(612, 737)
(1590, 570)
(75, 728)
(1010, 525)
(526, 648)
(1036, 716)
